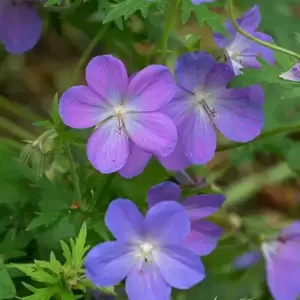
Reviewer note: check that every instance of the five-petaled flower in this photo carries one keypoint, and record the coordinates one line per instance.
(242, 52)
(282, 262)
(204, 235)
(203, 100)
(293, 74)
(147, 252)
(129, 127)
(20, 25)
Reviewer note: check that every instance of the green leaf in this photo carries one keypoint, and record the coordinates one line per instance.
(7, 288)
(44, 219)
(54, 111)
(43, 293)
(203, 15)
(79, 249)
(125, 9)
(66, 252)
(37, 273)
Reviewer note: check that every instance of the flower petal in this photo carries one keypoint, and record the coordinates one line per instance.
(179, 109)
(152, 131)
(283, 279)
(80, 107)
(20, 27)
(150, 89)
(201, 206)
(124, 220)
(180, 267)
(197, 2)
(266, 53)
(293, 74)
(109, 263)
(145, 282)
(221, 40)
(191, 69)
(237, 117)
(108, 147)
(165, 191)
(161, 223)
(290, 231)
(107, 76)
(218, 77)
(136, 163)
(203, 237)
(246, 260)
(198, 137)
(177, 160)
(290, 250)
(256, 94)
(251, 19)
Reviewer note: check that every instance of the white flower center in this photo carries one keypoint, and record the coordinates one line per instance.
(145, 251)
(119, 110)
(269, 249)
(203, 99)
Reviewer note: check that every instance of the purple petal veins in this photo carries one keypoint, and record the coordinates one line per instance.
(203, 100)
(20, 25)
(129, 127)
(148, 251)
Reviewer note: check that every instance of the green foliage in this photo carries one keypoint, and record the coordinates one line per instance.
(60, 279)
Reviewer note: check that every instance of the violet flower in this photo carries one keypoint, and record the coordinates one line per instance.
(246, 260)
(293, 74)
(147, 251)
(197, 2)
(242, 52)
(129, 128)
(20, 25)
(204, 235)
(283, 263)
(203, 100)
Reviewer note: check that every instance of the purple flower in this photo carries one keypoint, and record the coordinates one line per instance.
(293, 74)
(241, 51)
(283, 263)
(204, 235)
(20, 25)
(129, 128)
(202, 100)
(197, 2)
(246, 260)
(147, 251)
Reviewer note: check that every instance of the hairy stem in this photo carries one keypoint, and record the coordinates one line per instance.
(254, 39)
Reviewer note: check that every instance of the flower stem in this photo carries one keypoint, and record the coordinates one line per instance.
(283, 129)
(74, 175)
(170, 22)
(254, 39)
(87, 53)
